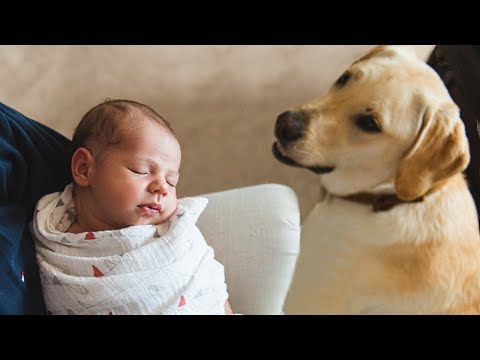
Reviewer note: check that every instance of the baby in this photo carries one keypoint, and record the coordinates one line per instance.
(117, 240)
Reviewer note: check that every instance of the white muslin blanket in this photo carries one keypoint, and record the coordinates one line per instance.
(143, 269)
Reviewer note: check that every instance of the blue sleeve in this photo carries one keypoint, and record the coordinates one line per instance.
(33, 162)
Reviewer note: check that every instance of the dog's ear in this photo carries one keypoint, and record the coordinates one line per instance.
(387, 51)
(440, 151)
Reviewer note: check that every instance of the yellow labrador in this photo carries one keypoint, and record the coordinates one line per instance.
(396, 229)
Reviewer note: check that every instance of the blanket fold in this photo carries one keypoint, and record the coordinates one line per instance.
(143, 269)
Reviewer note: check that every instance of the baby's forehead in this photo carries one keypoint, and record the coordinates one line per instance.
(139, 136)
(150, 138)
(136, 119)
(128, 128)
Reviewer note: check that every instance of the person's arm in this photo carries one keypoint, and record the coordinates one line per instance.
(32, 164)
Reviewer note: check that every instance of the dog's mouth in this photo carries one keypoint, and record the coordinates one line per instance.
(288, 161)
(282, 158)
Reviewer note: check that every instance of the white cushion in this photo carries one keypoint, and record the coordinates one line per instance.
(255, 232)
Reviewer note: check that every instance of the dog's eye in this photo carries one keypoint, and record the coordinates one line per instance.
(342, 80)
(367, 123)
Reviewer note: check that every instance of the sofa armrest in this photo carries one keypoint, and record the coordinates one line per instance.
(255, 232)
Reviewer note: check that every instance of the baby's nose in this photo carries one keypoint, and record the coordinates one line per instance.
(157, 187)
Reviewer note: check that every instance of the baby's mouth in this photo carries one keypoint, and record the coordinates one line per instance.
(152, 207)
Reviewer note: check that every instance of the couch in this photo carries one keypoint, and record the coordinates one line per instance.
(255, 232)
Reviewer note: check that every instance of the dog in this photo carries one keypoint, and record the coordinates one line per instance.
(395, 230)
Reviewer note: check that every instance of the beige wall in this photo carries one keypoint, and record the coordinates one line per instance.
(221, 100)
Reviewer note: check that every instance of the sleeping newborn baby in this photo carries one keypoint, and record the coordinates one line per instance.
(117, 240)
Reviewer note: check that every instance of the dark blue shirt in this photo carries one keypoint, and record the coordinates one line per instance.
(33, 162)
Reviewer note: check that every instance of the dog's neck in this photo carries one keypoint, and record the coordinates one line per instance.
(381, 198)
(379, 202)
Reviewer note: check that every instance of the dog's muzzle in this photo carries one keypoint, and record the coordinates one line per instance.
(282, 158)
(290, 127)
(288, 161)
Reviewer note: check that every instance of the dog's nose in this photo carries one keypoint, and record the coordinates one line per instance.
(290, 126)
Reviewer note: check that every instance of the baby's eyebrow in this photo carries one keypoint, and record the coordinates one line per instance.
(155, 164)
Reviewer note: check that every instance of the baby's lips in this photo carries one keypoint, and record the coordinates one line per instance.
(153, 206)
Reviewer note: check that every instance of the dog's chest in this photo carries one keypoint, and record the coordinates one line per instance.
(341, 255)
(344, 226)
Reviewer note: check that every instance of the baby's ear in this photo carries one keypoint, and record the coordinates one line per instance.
(82, 160)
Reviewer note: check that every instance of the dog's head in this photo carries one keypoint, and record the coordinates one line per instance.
(388, 119)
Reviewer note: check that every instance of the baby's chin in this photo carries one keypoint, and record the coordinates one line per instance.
(151, 221)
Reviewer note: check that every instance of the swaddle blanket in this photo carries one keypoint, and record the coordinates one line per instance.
(143, 269)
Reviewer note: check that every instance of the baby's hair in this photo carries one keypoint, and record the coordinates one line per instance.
(106, 123)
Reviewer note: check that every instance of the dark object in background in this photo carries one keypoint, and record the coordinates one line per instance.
(459, 68)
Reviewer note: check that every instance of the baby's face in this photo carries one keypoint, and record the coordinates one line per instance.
(134, 182)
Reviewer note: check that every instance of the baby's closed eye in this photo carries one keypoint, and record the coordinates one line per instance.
(172, 180)
(139, 171)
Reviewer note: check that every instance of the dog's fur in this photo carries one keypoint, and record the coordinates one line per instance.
(423, 254)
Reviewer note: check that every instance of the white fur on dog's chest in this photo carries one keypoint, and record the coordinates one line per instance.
(340, 269)
(339, 239)
(355, 260)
